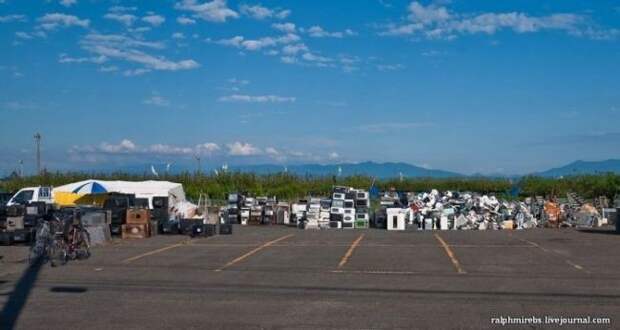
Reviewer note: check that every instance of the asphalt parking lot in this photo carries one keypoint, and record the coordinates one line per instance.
(278, 277)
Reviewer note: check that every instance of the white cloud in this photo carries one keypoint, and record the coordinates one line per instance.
(12, 18)
(284, 27)
(109, 68)
(31, 35)
(18, 106)
(390, 127)
(318, 32)
(154, 20)
(68, 3)
(117, 9)
(288, 59)
(185, 20)
(333, 155)
(427, 15)
(55, 20)
(126, 19)
(165, 149)
(294, 49)
(405, 29)
(257, 44)
(212, 11)
(125, 146)
(207, 148)
(260, 12)
(238, 81)
(272, 151)
(136, 72)
(242, 149)
(131, 50)
(64, 58)
(315, 58)
(257, 98)
(390, 67)
(178, 35)
(438, 22)
(128, 147)
(157, 101)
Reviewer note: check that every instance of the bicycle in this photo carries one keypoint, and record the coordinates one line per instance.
(49, 244)
(78, 242)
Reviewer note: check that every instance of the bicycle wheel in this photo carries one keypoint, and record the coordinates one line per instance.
(57, 253)
(83, 248)
(37, 253)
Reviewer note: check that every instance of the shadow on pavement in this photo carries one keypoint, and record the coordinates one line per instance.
(18, 297)
(68, 289)
(599, 231)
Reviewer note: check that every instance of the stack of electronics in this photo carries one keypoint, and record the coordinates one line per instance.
(362, 205)
(232, 213)
(336, 213)
(246, 210)
(324, 214)
(160, 214)
(19, 222)
(313, 214)
(298, 213)
(390, 199)
(349, 208)
(256, 213)
(118, 204)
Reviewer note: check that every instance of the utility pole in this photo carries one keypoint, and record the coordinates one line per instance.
(21, 168)
(37, 140)
(198, 161)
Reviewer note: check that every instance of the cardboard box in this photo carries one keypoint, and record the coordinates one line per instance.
(135, 231)
(138, 216)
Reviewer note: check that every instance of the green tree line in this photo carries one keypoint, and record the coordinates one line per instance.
(289, 186)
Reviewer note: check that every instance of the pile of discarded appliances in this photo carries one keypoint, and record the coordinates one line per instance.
(132, 210)
(461, 211)
(347, 208)
(247, 210)
(470, 211)
(574, 211)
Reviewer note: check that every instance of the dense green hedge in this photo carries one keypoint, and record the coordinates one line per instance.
(287, 186)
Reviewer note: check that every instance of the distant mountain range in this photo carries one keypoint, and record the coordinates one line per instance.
(379, 170)
(583, 167)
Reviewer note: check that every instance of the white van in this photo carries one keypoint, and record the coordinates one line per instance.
(31, 194)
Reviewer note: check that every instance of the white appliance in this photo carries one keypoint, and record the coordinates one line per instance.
(396, 218)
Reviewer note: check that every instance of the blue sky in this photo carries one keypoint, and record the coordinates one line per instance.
(469, 86)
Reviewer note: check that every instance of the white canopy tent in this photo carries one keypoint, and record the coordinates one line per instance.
(141, 189)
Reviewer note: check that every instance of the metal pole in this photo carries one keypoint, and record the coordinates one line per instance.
(198, 161)
(37, 139)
